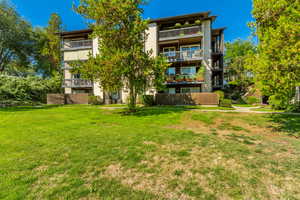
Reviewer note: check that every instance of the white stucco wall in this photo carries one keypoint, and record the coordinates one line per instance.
(98, 91)
(152, 40)
(152, 44)
(207, 59)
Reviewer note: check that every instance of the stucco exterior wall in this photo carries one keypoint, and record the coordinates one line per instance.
(152, 44)
(207, 60)
(68, 75)
(152, 40)
(98, 91)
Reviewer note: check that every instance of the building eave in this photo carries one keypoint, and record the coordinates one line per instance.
(76, 32)
(179, 17)
(218, 30)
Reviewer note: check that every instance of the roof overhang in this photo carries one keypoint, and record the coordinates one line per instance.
(77, 33)
(204, 15)
(218, 31)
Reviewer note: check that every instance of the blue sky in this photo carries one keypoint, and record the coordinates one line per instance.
(234, 14)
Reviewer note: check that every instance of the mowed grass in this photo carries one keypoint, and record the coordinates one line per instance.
(85, 152)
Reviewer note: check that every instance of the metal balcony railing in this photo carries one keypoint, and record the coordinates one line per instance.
(180, 33)
(80, 44)
(77, 83)
(178, 56)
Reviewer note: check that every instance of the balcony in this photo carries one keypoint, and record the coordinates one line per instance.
(184, 79)
(194, 31)
(77, 83)
(77, 45)
(180, 56)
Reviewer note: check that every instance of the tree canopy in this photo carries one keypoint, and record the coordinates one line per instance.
(236, 58)
(48, 47)
(122, 61)
(16, 39)
(277, 64)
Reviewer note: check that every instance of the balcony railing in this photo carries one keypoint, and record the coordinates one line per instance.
(178, 56)
(77, 83)
(80, 44)
(180, 33)
(184, 79)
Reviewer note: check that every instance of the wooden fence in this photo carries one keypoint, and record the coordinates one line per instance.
(188, 99)
(59, 99)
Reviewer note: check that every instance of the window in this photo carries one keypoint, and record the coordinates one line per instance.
(190, 89)
(171, 71)
(188, 70)
(172, 91)
(169, 51)
(190, 48)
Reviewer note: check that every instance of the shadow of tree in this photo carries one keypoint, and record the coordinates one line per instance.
(287, 123)
(28, 108)
(157, 110)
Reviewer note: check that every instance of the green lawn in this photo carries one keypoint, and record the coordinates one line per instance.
(244, 105)
(84, 152)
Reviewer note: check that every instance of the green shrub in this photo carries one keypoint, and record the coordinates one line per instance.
(198, 21)
(226, 103)
(240, 101)
(148, 100)
(21, 91)
(177, 25)
(95, 100)
(221, 94)
(294, 107)
(252, 100)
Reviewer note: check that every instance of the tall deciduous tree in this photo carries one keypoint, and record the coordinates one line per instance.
(122, 61)
(277, 65)
(236, 59)
(16, 41)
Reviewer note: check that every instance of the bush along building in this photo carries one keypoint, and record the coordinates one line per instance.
(192, 47)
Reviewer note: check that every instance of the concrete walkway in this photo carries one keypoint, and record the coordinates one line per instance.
(248, 110)
(237, 110)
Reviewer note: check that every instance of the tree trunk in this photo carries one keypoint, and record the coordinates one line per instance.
(132, 98)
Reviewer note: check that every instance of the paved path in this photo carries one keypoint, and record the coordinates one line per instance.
(237, 110)
(249, 110)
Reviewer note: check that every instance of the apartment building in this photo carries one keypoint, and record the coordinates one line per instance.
(193, 48)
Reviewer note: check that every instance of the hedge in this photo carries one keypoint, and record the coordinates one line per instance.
(29, 90)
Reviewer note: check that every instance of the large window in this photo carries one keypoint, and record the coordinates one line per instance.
(171, 71)
(170, 51)
(190, 90)
(172, 91)
(188, 70)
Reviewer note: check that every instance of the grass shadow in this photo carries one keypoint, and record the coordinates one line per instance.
(152, 111)
(287, 123)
